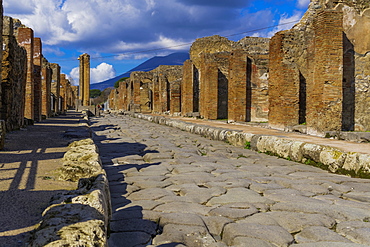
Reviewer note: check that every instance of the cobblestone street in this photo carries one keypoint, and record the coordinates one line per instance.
(173, 188)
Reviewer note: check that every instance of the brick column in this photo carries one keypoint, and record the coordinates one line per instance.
(25, 39)
(238, 76)
(46, 89)
(55, 86)
(37, 63)
(283, 86)
(156, 97)
(187, 90)
(209, 90)
(175, 96)
(325, 92)
(63, 92)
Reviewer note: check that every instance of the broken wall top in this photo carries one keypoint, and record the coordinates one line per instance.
(218, 44)
(356, 20)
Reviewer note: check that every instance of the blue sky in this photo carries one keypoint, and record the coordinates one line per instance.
(120, 34)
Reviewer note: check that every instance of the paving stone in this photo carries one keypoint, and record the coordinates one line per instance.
(329, 244)
(134, 225)
(195, 236)
(234, 211)
(129, 239)
(181, 219)
(183, 207)
(235, 195)
(149, 194)
(250, 242)
(272, 234)
(267, 199)
(358, 196)
(356, 231)
(216, 224)
(295, 222)
(314, 234)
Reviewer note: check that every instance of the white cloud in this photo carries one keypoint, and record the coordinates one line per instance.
(101, 73)
(286, 22)
(303, 3)
(116, 26)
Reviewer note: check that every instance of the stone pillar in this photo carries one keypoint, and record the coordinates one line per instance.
(37, 64)
(209, 90)
(283, 86)
(63, 92)
(55, 86)
(46, 89)
(84, 94)
(187, 88)
(175, 97)
(238, 78)
(156, 97)
(25, 38)
(325, 92)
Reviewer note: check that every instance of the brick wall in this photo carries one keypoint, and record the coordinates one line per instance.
(283, 86)
(324, 101)
(26, 39)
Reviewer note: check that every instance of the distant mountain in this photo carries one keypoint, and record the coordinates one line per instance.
(150, 64)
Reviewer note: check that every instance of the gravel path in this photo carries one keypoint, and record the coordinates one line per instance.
(173, 188)
(26, 175)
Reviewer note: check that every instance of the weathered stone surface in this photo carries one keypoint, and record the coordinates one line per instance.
(314, 234)
(129, 239)
(273, 234)
(236, 195)
(196, 236)
(357, 232)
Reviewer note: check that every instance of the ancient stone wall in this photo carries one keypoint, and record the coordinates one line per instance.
(14, 69)
(327, 49)
(162, 78)
(215, 54)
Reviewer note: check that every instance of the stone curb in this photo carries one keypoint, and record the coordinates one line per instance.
(332, 159)
(80, 217)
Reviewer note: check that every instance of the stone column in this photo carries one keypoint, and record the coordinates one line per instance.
(25, 39)
(55, 86)
(84, 94)
(45, 89)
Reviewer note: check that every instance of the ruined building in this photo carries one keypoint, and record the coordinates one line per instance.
(320, 70)
(30, 85)
(313, 77)
(156, 91)
(226, 79)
